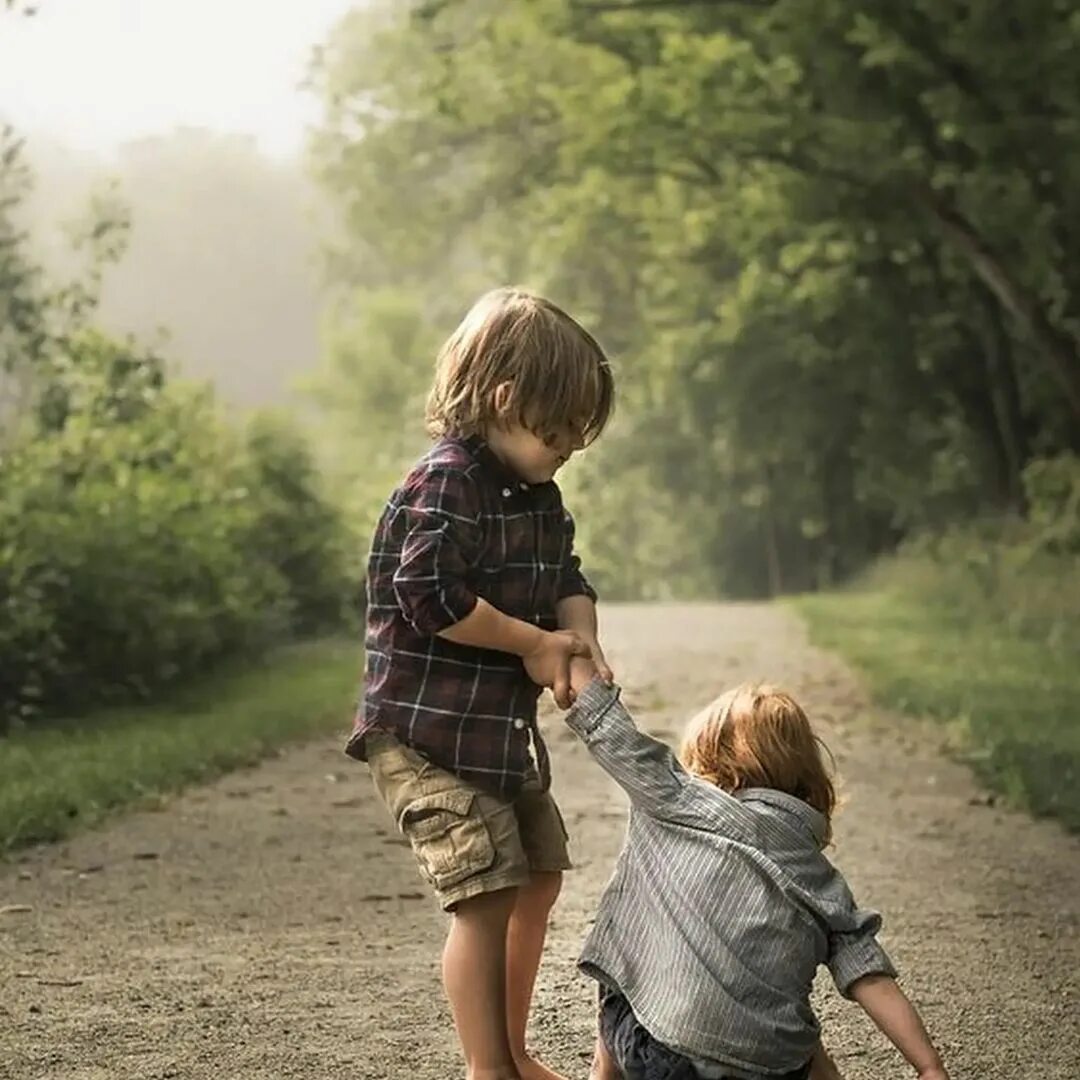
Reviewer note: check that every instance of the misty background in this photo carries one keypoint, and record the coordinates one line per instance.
(194, 117)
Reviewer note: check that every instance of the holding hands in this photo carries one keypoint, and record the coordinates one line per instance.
(548, 662)
(565, 662)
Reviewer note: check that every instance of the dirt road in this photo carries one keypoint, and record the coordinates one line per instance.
(272, 924)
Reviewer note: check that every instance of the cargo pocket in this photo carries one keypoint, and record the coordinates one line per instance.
(450, 843)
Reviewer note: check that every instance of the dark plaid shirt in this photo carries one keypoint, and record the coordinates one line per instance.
(462, 526)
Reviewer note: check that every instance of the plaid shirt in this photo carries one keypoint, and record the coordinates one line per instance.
(462, 526)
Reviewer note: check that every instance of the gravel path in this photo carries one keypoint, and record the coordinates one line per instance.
(273, 925)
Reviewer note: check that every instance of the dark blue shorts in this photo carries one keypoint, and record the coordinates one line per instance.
(638, 1055)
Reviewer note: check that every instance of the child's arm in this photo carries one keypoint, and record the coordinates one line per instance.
(443, 537)
(642, 766)
(576, 606)
(887, 1005)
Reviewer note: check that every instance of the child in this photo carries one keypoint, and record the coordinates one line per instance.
(475, 601)
(722, 905)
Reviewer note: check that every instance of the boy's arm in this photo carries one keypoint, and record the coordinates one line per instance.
(578, 613)
(546, 654)
(888, 1006)
(576, 606)
(441, 516)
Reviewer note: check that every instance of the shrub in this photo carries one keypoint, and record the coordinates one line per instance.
(141, 539)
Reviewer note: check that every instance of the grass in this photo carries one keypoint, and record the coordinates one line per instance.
(69, 774)
(1008, 697)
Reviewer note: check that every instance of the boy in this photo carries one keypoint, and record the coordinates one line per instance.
(723, 905)
(475, 601)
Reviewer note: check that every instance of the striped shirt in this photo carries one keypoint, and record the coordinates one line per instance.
(462, 526)
(720, 909)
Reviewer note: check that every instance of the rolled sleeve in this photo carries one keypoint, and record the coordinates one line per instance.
(856, 952)
(592, 705)
(440, 522)
(572, 582)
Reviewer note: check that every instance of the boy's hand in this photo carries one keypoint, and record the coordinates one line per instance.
(934, 1074)
(548, 662)
(582, 672)
(600, 664)
(578, 613)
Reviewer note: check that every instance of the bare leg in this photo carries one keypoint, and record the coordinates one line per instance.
(474, 974)
(603, 1065)
(524, 947)
(823, 1067)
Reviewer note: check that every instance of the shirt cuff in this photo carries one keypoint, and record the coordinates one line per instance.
(859, 957)
(591, 706)
(576, 586)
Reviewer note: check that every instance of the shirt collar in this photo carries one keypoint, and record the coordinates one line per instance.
(494, 466)
(802, 814)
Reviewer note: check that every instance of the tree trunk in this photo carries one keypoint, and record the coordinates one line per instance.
(1005, 394)
(1058, 349)
(772, 543)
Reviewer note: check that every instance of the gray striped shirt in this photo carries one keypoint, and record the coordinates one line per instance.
(720, 908)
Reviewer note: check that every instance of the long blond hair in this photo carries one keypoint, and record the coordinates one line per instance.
(759, 736)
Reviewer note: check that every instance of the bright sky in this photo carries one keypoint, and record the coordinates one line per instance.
(95, 73)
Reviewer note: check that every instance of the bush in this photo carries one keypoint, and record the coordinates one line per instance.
(1053, 492)
(295, 529)
(142, 540)
(980, 628)
(1021, 575)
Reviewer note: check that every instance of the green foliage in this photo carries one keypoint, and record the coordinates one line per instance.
(124, 522)
(141, 538)
(371, 392)
(1053, 491)
(829, 245)
(980, 631)
(295, 529)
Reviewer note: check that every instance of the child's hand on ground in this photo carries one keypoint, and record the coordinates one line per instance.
(548, 663)
(934, 1074)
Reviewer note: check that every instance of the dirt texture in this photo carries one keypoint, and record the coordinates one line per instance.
(274, 925)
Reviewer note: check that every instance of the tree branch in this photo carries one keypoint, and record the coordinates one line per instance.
(1021, 303)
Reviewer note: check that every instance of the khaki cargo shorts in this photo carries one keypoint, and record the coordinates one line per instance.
(466, 841)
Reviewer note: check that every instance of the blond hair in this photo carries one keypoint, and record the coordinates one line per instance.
(555, 374)
(758, 736)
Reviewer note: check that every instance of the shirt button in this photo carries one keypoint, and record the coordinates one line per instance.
(524, 487)
(519, 723)
(507, 493)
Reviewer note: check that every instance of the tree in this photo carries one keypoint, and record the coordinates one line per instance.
(829, 244)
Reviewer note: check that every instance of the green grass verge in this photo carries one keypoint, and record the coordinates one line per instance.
(69, 774)
(1010, 704)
